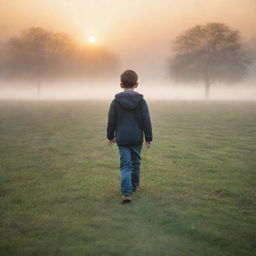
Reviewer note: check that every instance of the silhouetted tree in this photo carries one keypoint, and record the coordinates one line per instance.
(37, 54)
(251, 46)
(1, 60)
(40, 54)
(209, 53)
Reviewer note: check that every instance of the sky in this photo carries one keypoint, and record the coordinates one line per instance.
(139, 32)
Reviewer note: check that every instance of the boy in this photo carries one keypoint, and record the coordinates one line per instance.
(128, 119)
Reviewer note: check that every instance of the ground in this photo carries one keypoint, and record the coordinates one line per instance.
(60, 181)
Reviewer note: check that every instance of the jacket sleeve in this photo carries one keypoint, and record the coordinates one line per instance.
(112, 119)
(147, 127)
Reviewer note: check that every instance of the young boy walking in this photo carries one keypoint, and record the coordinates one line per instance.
(128, 120)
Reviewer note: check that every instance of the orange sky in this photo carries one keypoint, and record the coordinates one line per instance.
(138, 31)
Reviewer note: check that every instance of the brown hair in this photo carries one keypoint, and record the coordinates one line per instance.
(129, 78)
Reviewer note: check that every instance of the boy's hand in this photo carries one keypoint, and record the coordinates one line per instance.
(111, 142)
(148, 144)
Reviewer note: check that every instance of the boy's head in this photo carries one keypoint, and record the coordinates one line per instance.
(129, 79)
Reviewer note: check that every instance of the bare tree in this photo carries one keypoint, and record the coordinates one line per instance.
(209, 53)
(251, 46)
(36, 54)
(2, 59)
(40, 54)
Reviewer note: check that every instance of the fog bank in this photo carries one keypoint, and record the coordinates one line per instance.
(152, 90)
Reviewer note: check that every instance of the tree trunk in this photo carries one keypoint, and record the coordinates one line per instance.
(39, 85)
(207, 88)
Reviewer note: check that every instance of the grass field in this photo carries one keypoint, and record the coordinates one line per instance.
(60, 181)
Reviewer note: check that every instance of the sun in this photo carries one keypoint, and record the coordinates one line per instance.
(92, 39)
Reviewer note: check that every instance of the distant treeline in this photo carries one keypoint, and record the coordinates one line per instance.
(204, 53)
(38, 54)
(211, 53)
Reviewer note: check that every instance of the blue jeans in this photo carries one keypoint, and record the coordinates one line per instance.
(129, 168)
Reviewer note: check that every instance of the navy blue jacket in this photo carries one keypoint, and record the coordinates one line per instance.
(128, 119)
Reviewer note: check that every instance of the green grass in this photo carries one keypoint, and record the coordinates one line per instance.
(60, 181)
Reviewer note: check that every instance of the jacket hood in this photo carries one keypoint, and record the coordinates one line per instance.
(128, 99)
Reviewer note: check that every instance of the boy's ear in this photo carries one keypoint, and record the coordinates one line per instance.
(121, 85)
(136, 85)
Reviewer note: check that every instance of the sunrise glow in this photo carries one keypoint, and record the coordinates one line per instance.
(92, 39)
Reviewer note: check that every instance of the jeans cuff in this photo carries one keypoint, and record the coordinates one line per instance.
(126, 195)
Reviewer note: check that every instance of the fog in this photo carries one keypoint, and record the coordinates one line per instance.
(152, 90)
(137, 35)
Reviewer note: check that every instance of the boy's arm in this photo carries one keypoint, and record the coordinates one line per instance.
(147, 127)
(112, 117)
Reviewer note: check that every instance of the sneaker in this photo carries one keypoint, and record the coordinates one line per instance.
(135, 189)
(126, 199)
